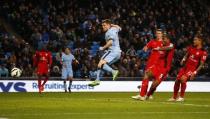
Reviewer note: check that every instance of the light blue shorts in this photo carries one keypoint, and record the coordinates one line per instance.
(111, 56)
(66, 73)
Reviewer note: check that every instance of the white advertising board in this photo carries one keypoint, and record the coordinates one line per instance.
(105, 86)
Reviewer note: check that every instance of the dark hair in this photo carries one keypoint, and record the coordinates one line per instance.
(200, 36)
(107, 21)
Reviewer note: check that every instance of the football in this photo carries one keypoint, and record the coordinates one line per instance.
(16, 72)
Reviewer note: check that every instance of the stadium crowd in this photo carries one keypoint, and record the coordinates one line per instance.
(76, 24)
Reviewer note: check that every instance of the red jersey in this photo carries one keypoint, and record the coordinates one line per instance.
(42, 58)
(154, 55)
(194, 57)
(166, 58)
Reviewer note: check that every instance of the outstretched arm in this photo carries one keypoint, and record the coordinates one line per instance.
(184, 59)
(117, 26)
(171, 46)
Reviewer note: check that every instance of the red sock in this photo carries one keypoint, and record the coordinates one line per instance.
(176, 89)
(144, 87)
(45, 81)
(183, 88)
(39, 84)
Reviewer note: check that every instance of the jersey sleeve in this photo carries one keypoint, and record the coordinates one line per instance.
(204, 56)
(109, 36)
(150, 44)
(117, 29)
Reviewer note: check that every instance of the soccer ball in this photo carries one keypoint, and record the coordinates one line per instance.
(16, 72)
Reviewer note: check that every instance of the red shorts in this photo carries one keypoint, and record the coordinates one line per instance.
(186, 72)
(158, 73)
(42, 70)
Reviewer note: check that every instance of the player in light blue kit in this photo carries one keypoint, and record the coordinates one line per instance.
(67, 73)
(114, 52)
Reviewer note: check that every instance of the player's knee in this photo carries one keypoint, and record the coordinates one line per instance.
(148, 74)
(183, 79)
(101, 63)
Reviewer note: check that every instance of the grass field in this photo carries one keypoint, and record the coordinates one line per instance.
(101, 106)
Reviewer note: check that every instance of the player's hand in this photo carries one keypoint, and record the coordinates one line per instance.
(77, 61)
(192, 77)
(145, 48)
(101, 48)
(182, 62)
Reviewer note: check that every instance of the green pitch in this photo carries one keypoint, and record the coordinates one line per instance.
(101, 106)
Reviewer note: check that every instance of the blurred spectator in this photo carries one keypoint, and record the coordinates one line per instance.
(3, 71)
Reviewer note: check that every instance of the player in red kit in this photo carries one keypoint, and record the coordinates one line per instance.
(164, 65)
(194, 61)
(42, 60)
(152, 69)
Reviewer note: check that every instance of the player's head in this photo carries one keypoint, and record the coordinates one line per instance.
(198, 40)
(67, 51)
(165, 38)
(159, 34)
(106, 24)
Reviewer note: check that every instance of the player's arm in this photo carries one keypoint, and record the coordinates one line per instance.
(148, 46)
(116, 26)
(184, 59)
(202, 61)
(171, 46)
(107, 45)
(75, 60)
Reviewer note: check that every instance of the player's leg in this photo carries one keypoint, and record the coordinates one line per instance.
(39, 82)
(109, 60)
(70, 83)
(158, 74)
(177, 85)
(45, 80)
(183, 88)
(144, 86)
(145, 83)
(64, 77)
(45, 72)
(153, 87)
(97, 81)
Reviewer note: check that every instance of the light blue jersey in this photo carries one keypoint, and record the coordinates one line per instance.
(112, 34)
(67, 65)
(114, 52)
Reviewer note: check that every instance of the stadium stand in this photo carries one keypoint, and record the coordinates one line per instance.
(76, 24)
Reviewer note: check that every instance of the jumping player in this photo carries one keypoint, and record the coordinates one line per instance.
(194, 61)
(114, 52)
(42, 60)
